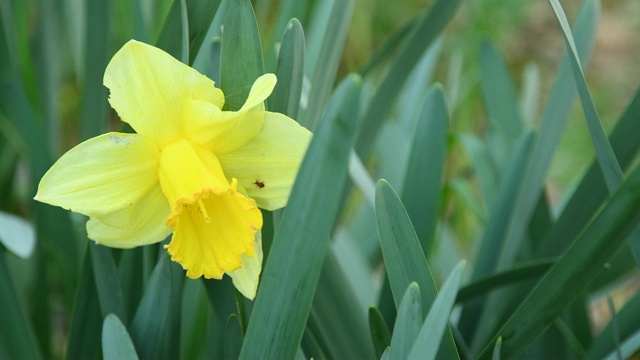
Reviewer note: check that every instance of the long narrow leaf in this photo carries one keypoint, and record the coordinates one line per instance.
(407, 324)
(437, 321)
(292, 270)
(422, 35)
(403, 256)
(611, 170)
(573, 272)
(241, 58)
(423, 181)
(380, 333)
(17, 340)
(290, 72)
(116, 343)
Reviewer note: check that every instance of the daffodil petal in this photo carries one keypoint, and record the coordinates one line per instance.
(139, 224)
(267, 166)
(148, 87)
(246, 278)
(102, 175)
(213, 233)
(225, 131)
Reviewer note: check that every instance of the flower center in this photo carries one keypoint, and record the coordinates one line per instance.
(203, 211)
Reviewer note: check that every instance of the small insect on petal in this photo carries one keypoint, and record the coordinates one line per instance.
(258, 183)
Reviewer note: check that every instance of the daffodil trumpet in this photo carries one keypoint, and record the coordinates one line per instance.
(190, 169)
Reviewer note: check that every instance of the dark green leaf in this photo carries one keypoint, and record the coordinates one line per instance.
(241, 57)
(17, 340)
(379, 331)
(580, 264)
(290, 72)
(200, 14)
(107, 281)
(293, 267)
(403, 257)
(232, 338)
(151, 321)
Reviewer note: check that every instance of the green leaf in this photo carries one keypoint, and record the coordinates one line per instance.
(422, 189)
(17, 235)
(116, 343)
(495, 233)
(293, 267)
(578, 266)
(521, 272)
(496, 349)
(86, 321)
(338, 315)
(627, 320)
(422, 35)
(232, 338)
(290, 72)
(379, 331)
(221, 295)
(200, 13)
(403, 256)
(437, 321)
(241, 57)
(553, 120)
(107, 281)
(407, 324)
(323, 61)
(149, 325)
(17, 339)
(499, 93)
(97, 52)
(592, 190)
(611, 170)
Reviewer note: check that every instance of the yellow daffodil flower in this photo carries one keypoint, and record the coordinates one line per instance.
(191, 168)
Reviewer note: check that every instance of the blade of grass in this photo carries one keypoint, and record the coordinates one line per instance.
(326, 64)
(232, 338)
(149, 325)
(499, 93)
(379, 331)
(628, 319)
(403, 256)
(437, 321)
(573, 272)
(17, 339)
(290, 72)
(289, 279)
(241, 57)
(429, 26)
(341, 317)
(86, 321)
(200, 14)
(107, 281)
(94, 106)
(407, 324)
(611, 170)
(521, 272)
(422, 189)
(553, 121)
(592, 190)
(496, 229)
(116, 343)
